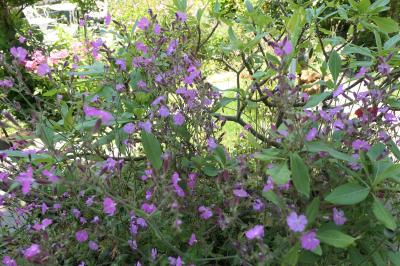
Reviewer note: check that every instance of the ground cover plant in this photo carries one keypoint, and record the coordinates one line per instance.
(124, 163)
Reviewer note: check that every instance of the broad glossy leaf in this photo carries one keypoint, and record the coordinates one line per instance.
(348, 194)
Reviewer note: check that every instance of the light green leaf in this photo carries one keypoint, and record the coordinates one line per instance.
(348, 194)
(335, 238)
(317, 146)
(280, 173)
(392, 171)
(335, 65)
(152, 149)
(268, 155)
(383, 215)
(386, 25)
(300, 175)
(316, 99)
(296, 23)
(392, 41)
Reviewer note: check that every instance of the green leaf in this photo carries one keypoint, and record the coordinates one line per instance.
(335, 65)
(210, 170)
(312, 210)
(50, 93)
(392, 171)
(296, 23)
(354, 49)
(271, 196)
(249, 6)
(383, 215)
(152, 149)
(348, 194)
(335, 238)
(317, 146)
(280, 173)
(386, 25)
(300, 175)
(223, 102)
(392, 41)
(316, 99)
(291, 258)
(268, 155)
(376, 150)
(394, 257)
(394, 149)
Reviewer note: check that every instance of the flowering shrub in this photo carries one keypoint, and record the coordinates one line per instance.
(129, 168)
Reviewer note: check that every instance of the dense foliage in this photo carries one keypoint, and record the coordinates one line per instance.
(126, 164)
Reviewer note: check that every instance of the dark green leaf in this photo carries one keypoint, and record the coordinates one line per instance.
(335, 238)
(348, 194)
(300, 175)
(312, 210)
(316, 99)
(335, 65)
(383, 215)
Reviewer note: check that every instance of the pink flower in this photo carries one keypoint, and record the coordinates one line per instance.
(309, 241)
(143, 23)
(26, 180)
(81, 236)
(192, 239)
(205, 212)
(297, 223)
(109, 206)
(338, 217)
(240, 193)
(257, 232)
(32, 251)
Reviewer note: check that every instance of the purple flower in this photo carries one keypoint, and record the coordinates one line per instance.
(360, 144)
(257, 232)
(180, 16)
(179, 119)
(141, 47)
(148, 208)
(119, 87)
(43, 69)
(178, 190)
(129, 128)
(338, 217)
(109, 206)
(146, 126)
(26, 180)
(141, 84)
(283, 48)
(192, 239)
(361, 72)
(205, 212)
(121, 63)
(175, 261)
(309, 240)
(157, 29)
(107, 20)
(3, 176)
(19, 53)
(211, 143)
(297, 223)
(311, 134)
(143, 23)
(153, 254)
(338, 91)
(258, 205)
(76, 213)
(93, 245)
(132, 244)
(173, 44)
(8, 261)
(383, 68)
(32, 251)
(103, 115)
(52, 177)
(269, 185)
(338, 125)
(240, 193)
(21, 39)
(163, 111)
(81, 236)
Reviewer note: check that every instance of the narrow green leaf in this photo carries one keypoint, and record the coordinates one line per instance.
(392, 171)
(392, 41)
(300, 175)
(348, 194)
(152, 149)
(383, 215)
(317, 146)
(335, 238)
(335, 65)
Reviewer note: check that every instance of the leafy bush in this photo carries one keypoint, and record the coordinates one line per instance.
(131, 169)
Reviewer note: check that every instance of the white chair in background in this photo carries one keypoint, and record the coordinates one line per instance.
(36, 19)
(102, 12)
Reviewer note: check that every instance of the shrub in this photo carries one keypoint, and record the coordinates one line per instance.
(131, 168)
